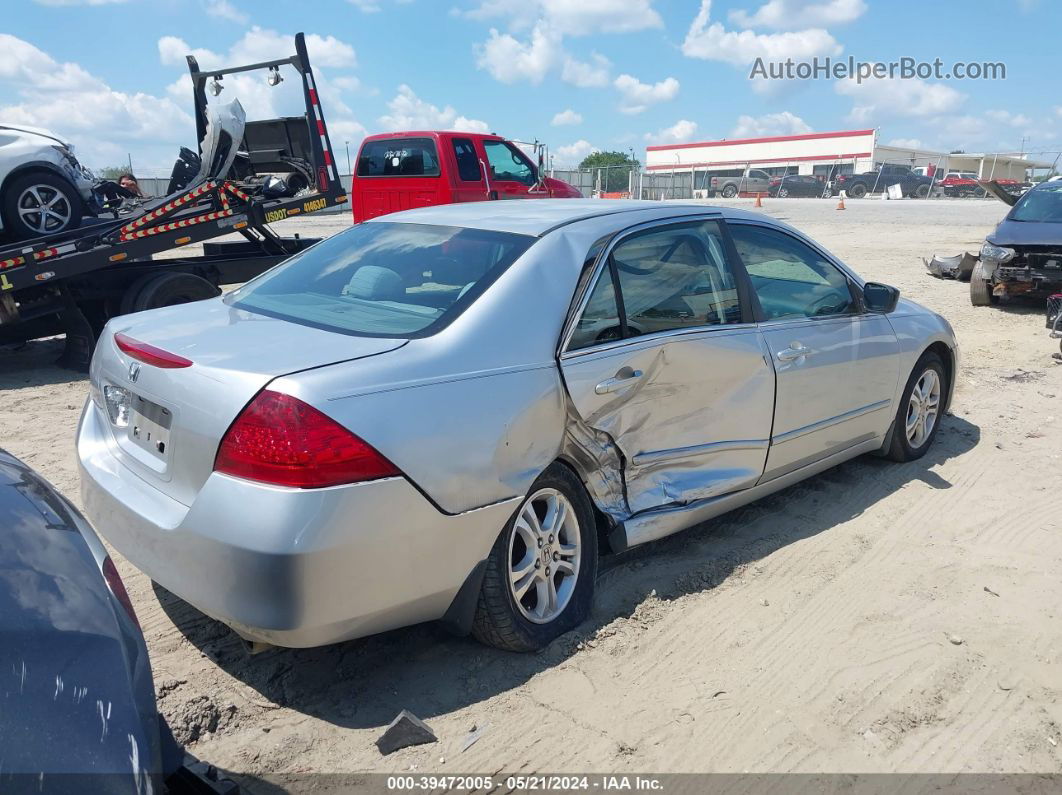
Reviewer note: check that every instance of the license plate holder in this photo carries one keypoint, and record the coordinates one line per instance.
(149, 427)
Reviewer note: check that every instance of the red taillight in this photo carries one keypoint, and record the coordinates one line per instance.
(114, 582)
(278, 439)
(149, 354)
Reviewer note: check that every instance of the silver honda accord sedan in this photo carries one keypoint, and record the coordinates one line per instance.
(450, 413)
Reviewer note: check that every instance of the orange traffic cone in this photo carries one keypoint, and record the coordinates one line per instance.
(759, 202)
(840, 203)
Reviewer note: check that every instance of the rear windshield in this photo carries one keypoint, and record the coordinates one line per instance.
(384, 279)
(1043, 205)
(399, 157)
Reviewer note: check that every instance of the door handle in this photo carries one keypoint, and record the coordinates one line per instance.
(795, 351)
(623, 378)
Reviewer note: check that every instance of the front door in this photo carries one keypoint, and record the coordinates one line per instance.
(663, 360)
(837, 366)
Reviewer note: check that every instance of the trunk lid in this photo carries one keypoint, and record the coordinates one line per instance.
(175, 418)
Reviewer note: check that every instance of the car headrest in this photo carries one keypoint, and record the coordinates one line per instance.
(374, 283)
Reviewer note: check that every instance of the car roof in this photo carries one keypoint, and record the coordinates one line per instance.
(536, 217)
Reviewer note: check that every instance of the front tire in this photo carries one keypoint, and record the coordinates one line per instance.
(981, 287)
(41, 203)
(539, 581)
(921, 192)
(918, 416)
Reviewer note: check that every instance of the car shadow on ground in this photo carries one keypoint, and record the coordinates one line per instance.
(33, 364)
(365, 683)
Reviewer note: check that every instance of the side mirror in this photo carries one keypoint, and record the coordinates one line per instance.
(880, 297)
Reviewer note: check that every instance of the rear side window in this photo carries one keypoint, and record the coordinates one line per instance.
(384, 279)
(399, 157)
(467, 160)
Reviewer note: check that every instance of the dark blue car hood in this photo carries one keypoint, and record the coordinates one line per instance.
(1026, 233)
(76, 695)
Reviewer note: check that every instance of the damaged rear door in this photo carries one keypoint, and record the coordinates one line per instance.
(662, 357)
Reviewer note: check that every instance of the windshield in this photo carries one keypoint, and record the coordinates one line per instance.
(384, 279)
(1043, 205)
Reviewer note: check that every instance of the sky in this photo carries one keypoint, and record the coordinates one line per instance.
(580, 75)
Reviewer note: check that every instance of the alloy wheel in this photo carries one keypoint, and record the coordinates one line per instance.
(544, 556)
(922, 408)
(44, 209)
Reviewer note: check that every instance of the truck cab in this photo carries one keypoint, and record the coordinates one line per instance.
(402, 170)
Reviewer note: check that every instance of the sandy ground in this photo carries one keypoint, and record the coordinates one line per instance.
(814, 631)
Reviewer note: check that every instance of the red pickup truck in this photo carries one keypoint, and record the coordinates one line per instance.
(402, 170)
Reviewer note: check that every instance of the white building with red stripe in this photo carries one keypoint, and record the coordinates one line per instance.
(825, 153)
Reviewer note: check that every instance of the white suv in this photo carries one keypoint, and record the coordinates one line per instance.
(43, 189)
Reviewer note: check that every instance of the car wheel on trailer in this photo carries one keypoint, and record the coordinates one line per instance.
(730, 191)
(539, 580)
(166, 289)
(981, 287)
(40, 203)
(918, 416)
(857, 191)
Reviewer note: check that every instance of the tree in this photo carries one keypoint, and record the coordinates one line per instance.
(615, 168)
(112, 172)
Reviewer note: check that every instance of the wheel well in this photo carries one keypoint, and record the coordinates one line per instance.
(602, 521)
(29, 168)
(948, 358)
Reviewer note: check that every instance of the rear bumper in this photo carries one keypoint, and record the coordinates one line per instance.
(285, 566)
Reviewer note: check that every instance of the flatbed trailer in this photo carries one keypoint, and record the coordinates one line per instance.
(75, 281)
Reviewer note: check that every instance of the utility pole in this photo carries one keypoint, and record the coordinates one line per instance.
(347, 145)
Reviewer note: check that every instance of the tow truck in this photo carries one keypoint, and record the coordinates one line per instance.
(73, 282)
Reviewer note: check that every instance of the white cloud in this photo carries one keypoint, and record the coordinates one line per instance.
(585, 74)
(223, 9)
(795, 14)
(568, 116)
(906, 143)
(410, 112)
(508, 59)
(678, 133)
(103, 124)
(260, 44)
(568, 18)
(1009, 119)
(783, 123)
(875, 101)
(638, 96)
(712, 41)
(572, 155)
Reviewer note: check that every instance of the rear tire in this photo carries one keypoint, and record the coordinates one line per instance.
(170, 289)
(981, 287)
(857, 191)
(540, 537)
(40, 203)
(730, 191)
(921, 406)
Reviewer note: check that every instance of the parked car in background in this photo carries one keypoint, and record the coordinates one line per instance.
(796, 185)
(1023, 255)
(43, 187)
(857, 186)
(448, 413)
(404, 170)
(730, 183)
(78, 695)
(961, 183)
